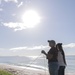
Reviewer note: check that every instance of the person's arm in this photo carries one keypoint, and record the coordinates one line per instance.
(44, 52)
(48, 56)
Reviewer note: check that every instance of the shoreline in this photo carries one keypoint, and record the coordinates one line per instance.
(19, 70)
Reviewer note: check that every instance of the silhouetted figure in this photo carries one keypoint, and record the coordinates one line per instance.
(61, 59)
(52, 58)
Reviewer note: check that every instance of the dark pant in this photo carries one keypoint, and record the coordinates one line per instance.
(61, 70)
(53, 68)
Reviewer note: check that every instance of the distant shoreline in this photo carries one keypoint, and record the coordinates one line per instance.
(27, 56)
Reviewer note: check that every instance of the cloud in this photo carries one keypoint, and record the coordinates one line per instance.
(40, 47)
(16, 1)
(30, 48)
(21, 3)
(18, 48)
(69, 49)
(16, 26)
(71, 45)
(34, 50)
(22, 51)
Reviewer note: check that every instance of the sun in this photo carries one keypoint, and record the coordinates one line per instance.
(31, 18)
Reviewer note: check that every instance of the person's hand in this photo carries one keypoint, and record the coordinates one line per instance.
(43, 52)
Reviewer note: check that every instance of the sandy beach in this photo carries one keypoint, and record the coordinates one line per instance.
(18, 70)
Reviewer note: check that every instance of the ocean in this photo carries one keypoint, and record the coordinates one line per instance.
(37, 62)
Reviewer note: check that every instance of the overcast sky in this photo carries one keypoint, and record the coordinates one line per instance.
(57, 23)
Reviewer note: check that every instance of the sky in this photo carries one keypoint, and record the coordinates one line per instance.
(57, 23)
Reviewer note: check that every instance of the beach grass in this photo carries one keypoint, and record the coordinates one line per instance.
(3, 72)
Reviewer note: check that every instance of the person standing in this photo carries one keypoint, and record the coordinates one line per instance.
(52, 58)
(61, 59)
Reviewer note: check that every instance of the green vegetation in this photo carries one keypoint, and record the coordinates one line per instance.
(2, 72)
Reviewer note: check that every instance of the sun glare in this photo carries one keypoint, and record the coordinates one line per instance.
(30, 18)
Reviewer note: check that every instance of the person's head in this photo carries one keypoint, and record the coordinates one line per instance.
(59, 46)
(52, 43)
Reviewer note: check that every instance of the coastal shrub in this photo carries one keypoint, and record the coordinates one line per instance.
(2, 72)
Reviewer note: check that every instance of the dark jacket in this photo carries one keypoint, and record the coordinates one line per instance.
(54, 52)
